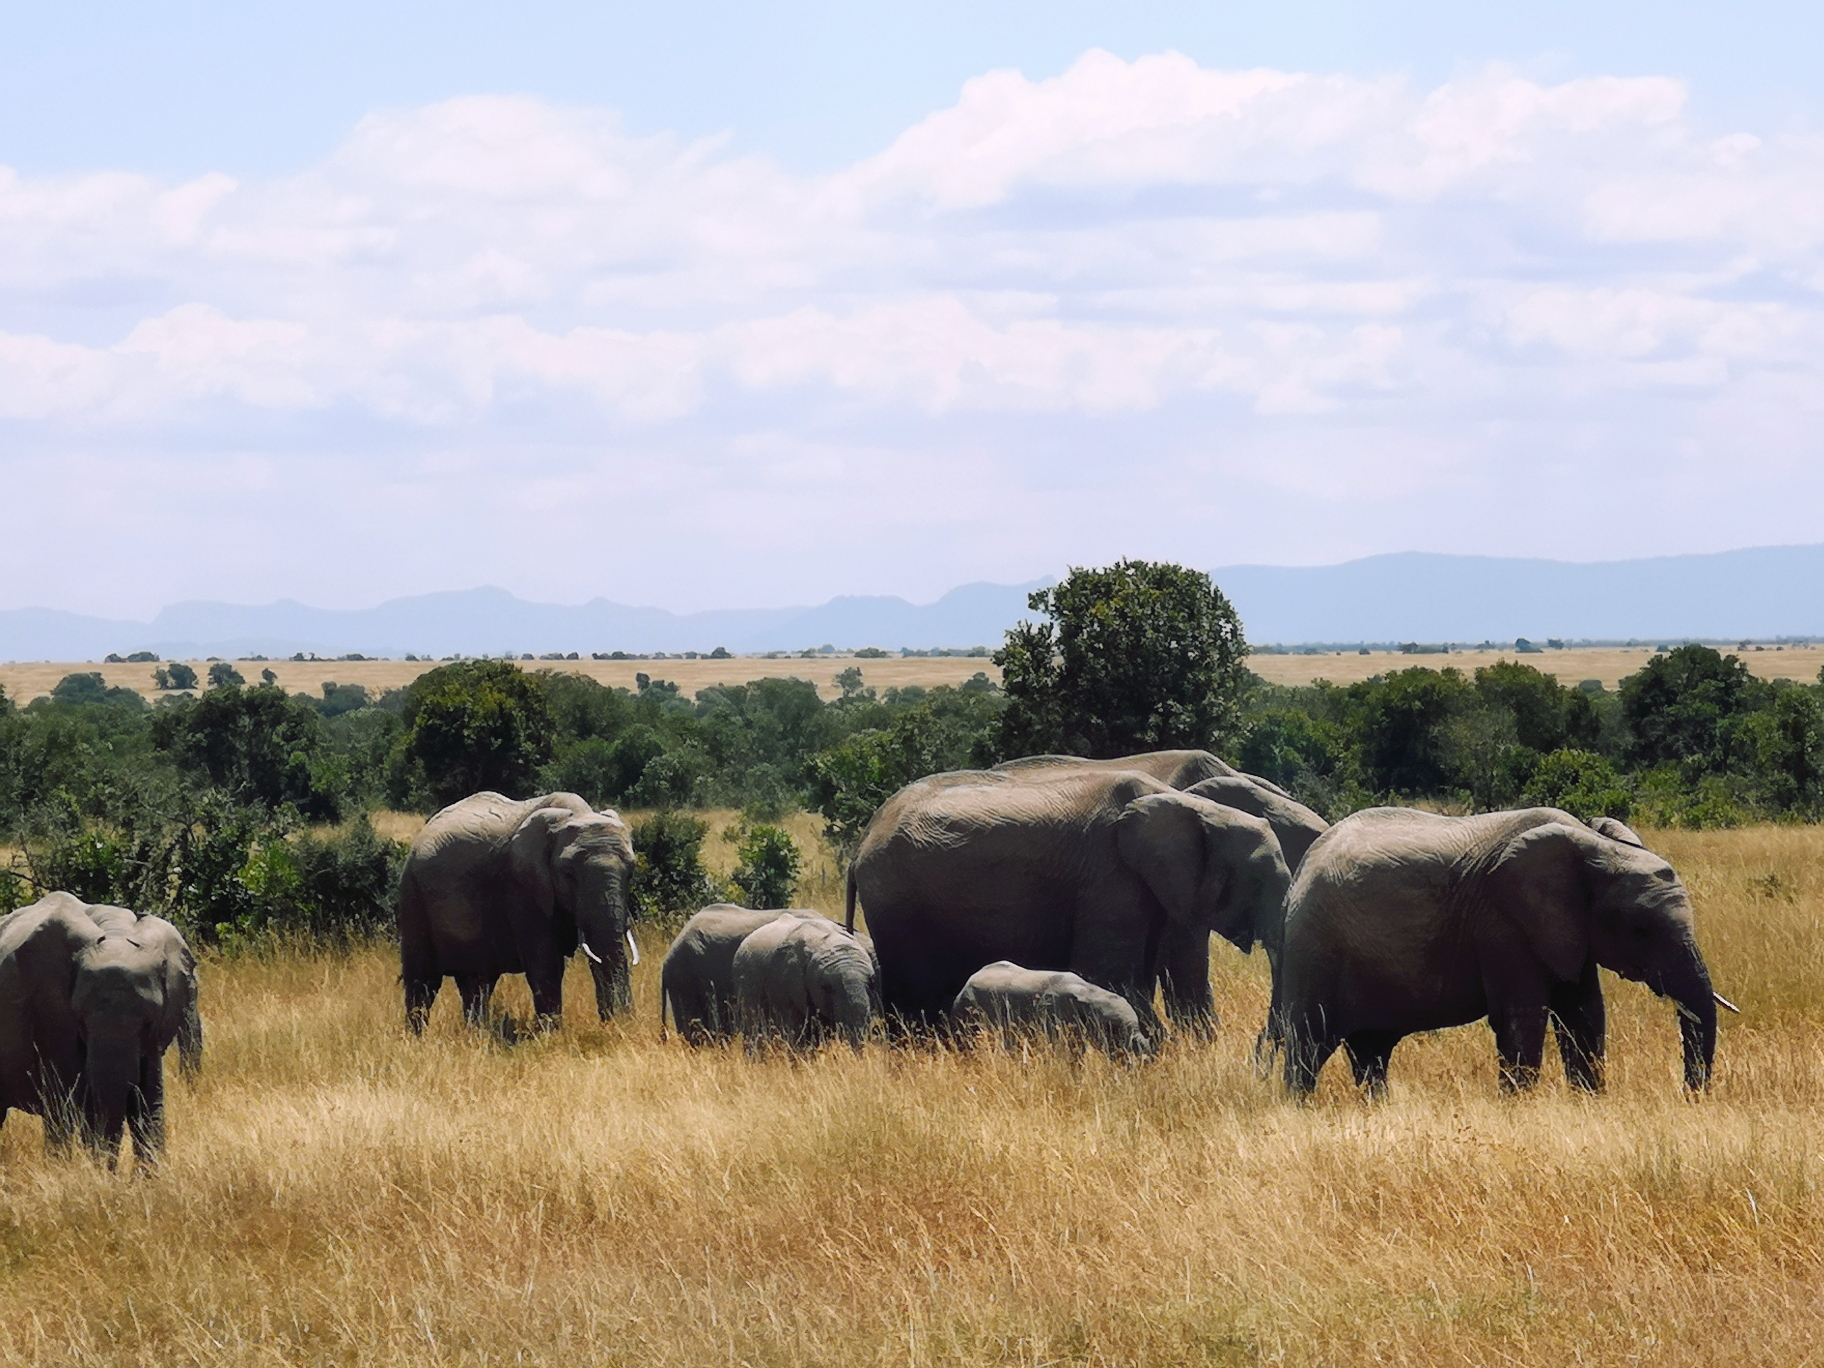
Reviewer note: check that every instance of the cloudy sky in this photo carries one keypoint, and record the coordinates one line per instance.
(755, 305)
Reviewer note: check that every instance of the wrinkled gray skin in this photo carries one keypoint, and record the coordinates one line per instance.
(697, 982)
(493, 886)
(1184, 958)
(800, 979)
(90, 999)
(1404, 921)
(1053, 1003)
(1054, 866)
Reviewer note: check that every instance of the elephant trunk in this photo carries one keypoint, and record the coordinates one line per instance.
(855, 1008)
(1687, 983)
(603, 929)
(110, 1073)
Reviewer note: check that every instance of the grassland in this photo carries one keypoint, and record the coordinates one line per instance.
(339, 1193)
(1609, 664)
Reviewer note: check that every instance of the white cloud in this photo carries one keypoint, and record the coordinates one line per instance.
(1288, 286)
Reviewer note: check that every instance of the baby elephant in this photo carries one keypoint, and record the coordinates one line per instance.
(698, 979)
(1059, 1005)
(801, 977)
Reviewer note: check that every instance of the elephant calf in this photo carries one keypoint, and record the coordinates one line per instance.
(697, 981)
(800, 978)
(1061, 1006)
(90, 999)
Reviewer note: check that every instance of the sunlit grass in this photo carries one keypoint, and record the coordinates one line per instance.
(337, 1192)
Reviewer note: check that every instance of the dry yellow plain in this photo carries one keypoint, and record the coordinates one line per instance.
(24, 682)
(339, 1193)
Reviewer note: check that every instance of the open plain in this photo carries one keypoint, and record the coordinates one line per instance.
(336, 1192)
(23, 682)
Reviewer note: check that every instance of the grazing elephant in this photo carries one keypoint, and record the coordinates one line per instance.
(799, 978)
(1404, 921)
(493, 886)
(90, 999)
(1056, 867)
(1184, 958)
(1053, 1003)
(698, 979)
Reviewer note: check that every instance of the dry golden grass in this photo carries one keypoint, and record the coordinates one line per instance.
(24, 682)
(339, 1193)
(1610, 664)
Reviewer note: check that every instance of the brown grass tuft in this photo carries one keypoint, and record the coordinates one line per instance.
(339, 1193)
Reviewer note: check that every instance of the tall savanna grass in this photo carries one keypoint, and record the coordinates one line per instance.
(337, 1192)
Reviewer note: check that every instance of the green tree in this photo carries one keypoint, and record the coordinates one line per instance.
(668, 873)
(768, 864)
(1138, 656)
(257, 746)
(175, 676)
(1581, 782)
(1401, 722)
(221, 674)
(1787, 742)
(1685, 708)
(474, 725)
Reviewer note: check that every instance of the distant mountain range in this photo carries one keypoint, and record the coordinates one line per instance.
(1775, 591)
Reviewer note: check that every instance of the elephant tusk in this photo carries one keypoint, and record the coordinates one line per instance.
(633, 947)
(594, 958)
(1722, 1001)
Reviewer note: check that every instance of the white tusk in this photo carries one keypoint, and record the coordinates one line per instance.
(633, 947)
(1722, 1001)
(587, 951)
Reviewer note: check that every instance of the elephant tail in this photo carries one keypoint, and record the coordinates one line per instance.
(848, 911)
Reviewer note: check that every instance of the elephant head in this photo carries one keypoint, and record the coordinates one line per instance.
(1210, 866)
(578, 869)
(1576, 895)
(133, 992)
(1294, 825)
(843, 982)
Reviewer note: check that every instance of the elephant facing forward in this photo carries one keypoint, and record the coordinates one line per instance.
(493, 886)
(1403, 921)
(800, 979)
(90, 999)
(697, 982)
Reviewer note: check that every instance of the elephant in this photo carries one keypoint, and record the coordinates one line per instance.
(493, 886)
(697, 981)
(1402, 921)
(1077, 867)
(1054, 1003)
(1184, 958)
(90, 999)
(799, 978)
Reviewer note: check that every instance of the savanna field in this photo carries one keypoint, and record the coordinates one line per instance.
(336, 1192)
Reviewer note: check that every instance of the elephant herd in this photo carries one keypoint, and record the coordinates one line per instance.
(1063, 896)
(1049, 897)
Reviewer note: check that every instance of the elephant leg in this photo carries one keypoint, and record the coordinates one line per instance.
(1579, 1020)
(547, 996)
(477, 991)
(1520, 1041)
(1308, 1045)
(420, 993)
(1184, 974)
(146, 1113)
(1368, 1055)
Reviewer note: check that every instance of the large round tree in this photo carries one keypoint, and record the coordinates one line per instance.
(1138, 656)
(476, 724)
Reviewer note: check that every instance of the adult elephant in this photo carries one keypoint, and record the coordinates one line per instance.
(1404, 921)
(91, 996)
(1184, 956)
(1061, 867)
(493, 886)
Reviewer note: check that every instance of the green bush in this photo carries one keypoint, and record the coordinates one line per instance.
(769, 864)
(222, 674)
(177, 675)
(1582, 783)
(668, 875)
(473, 725)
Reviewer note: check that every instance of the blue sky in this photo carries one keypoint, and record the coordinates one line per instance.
(729, 305)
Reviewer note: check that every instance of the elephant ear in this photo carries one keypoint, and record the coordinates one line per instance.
(38, 978)
(533, 855)
(1543, 885)
(1615, 830)
(1160, 837)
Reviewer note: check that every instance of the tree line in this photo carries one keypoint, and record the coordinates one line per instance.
(244, 809)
